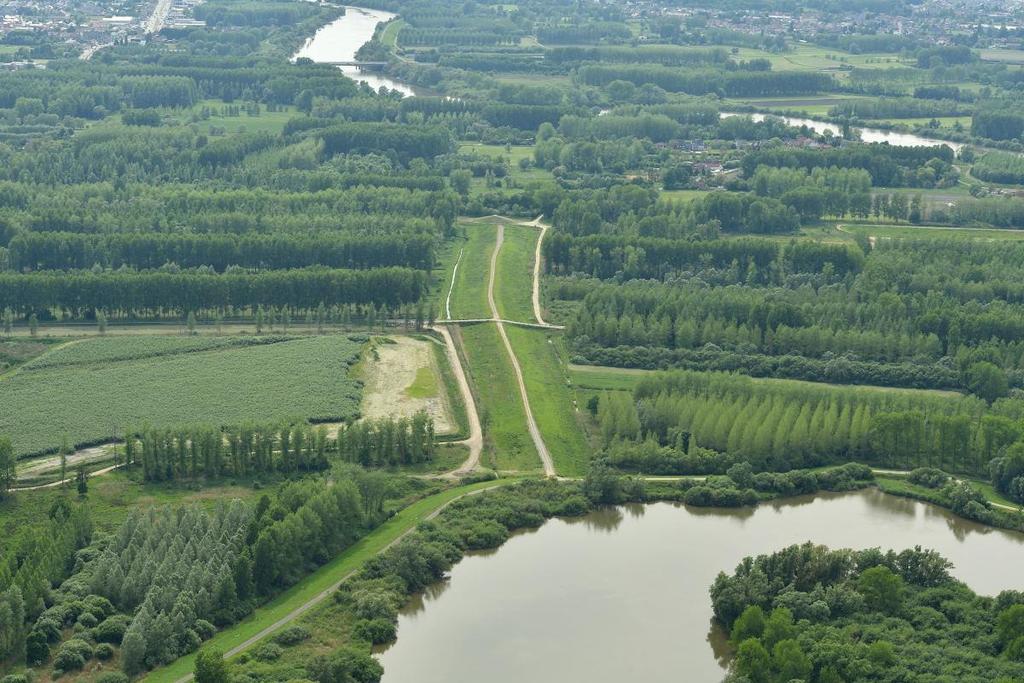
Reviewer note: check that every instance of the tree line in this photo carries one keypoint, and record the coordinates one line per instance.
(144, 251)
(778, 426)
(172, 454)
(705, 81)
(151, 293)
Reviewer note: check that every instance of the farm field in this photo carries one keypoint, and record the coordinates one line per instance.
(92, 402)
(933, 232)
(111, 498)
(816, 58)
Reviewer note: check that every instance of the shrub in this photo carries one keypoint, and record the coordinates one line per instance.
(112, 629)
(375, 631)
(293, 635)
(14, 678)
(87, 620)
(36, 649)
(78, 647)
(205, 629)
(98, 606)
(268, 652)
(67, 661)
(104, 651)
(929, 477)
(112, 677)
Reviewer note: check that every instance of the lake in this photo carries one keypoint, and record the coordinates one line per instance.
(339, 41)
(622, 593)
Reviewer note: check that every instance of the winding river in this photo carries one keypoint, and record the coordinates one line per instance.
(339, 41)
(866, 134)
(622, 594)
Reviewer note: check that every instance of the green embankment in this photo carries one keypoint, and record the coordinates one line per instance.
(319, 581)
(506, 439)
(469, 297)
(513, 283)
(551, 398)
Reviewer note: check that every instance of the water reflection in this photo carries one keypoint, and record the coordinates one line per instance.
(622, 594)
(866, 134)
(339, 41)
(606, 519)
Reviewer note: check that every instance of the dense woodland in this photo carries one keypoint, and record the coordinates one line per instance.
(814, 614)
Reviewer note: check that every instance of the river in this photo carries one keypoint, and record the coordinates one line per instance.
(866, 134)
(622, 594)
(339, 41)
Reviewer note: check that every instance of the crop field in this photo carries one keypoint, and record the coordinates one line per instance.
(682, 195)
(933, 232)
(1002, 55)
(815, 58)
(92, 402)
(111, 498)
(111, 349)
(14, 353)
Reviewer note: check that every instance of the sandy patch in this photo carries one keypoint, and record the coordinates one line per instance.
(49, 464)
(398, 383)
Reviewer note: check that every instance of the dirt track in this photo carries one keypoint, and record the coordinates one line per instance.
(475, 442)
(531, 424)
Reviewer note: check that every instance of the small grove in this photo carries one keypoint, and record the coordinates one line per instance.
(830, 616)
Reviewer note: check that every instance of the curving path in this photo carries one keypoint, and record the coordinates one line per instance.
(531, 424)
(536, 271)
(475, 441)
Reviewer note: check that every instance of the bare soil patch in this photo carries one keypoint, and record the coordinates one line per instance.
(402, 378)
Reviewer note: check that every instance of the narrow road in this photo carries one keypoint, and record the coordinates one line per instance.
(531, 424)
(475, 442)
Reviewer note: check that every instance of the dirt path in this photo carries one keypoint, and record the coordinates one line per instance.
(538, 440)
(475, 442)
(37, 466)
(69, 480)
(536, 270)
(451, 287)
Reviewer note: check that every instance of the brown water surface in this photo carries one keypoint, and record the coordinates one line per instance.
(622, 594)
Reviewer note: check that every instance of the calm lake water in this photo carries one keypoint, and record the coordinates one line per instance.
(339, 40)
(622, 594)
(866, 134)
